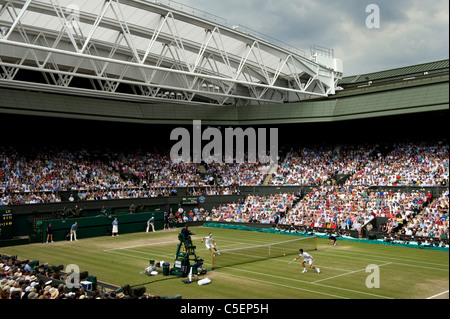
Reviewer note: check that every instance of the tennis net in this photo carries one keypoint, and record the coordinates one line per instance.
(237, 256)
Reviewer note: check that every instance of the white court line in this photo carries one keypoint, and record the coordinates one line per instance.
(163, 243)
(114, 250)
(269, 275)
(240, 243)
(167, 255)
(143, 245)
(137, 257)
(307, 282)
(286, 286)
(442, 293)
(302, 281)
(371, 258)
(341, 254)
(399, 261)
(348, 273)
(402, 259)
(235, 243)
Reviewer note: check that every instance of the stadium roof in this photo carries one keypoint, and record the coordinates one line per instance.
(418, 94)
(403, 72)
(147, 51)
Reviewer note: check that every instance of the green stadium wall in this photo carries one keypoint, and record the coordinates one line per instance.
(101, 225)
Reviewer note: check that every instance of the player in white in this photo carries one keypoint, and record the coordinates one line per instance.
(307, 258)
(211, 246)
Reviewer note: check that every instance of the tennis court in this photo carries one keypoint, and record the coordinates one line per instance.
(349, 270)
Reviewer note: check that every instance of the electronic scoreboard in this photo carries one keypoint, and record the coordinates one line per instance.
(6, 223)
(189, 201)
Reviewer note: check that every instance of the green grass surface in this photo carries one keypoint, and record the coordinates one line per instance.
(404, 273)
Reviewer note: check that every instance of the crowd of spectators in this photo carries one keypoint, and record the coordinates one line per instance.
(29, 198)
(350, 207)
(340, 209)
(21, 280)
(331, 207)
(407, 164)
(432, 221)
(403, 164)
(28, 177)
(135, 192)
(311, 166)
(255, 208)
(238, 174)
(38, 176)
(410, 213)
(53, 170)
(213, 190)
(18, 280)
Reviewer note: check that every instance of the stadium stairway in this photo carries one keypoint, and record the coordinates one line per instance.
(202, 169)
(336, 150)
(268, 177)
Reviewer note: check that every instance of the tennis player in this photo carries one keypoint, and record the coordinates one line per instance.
(307, 258)
(210, 244)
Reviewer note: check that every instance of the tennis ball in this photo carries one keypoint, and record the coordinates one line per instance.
(284, 254)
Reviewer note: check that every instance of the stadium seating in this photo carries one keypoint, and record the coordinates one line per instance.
(45, 280)
(336, 172)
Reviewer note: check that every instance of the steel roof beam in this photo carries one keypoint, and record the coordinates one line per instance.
(263, 70)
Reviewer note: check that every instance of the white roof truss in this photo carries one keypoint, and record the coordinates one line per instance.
(154, 51)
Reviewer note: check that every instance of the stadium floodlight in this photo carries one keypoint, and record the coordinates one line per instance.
(3, 31)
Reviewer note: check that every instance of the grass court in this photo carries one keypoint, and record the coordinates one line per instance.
(404, 273)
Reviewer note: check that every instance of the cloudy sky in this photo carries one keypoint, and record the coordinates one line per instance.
(410, 31)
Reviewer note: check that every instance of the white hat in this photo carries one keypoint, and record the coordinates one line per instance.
(54, 293)
(14, 289)
(3, 282)
(33, 295)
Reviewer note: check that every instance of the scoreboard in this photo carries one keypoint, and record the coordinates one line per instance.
(189, 201)
(6, 223)
(193, 200)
